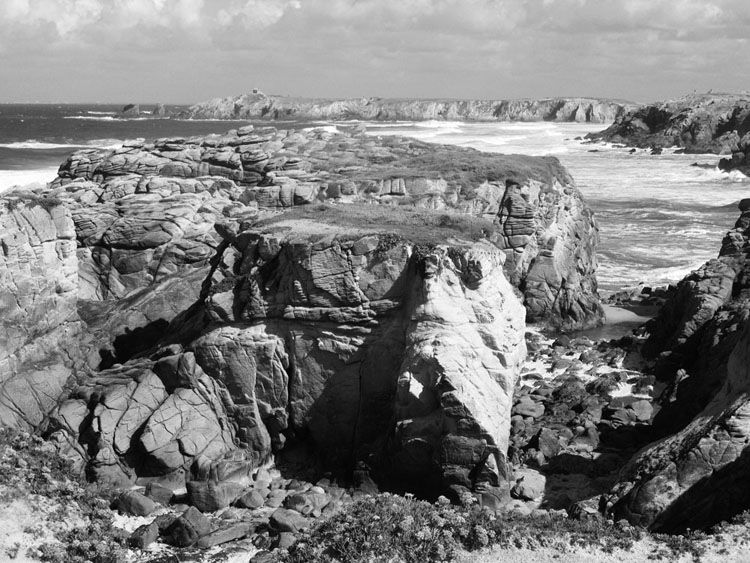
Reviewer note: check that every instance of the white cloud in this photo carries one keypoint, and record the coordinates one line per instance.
(382, 47)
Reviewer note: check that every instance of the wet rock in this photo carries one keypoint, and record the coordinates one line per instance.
(143, 536)
(225, 534)
(188, 528)
(209, 496)
(159, 493)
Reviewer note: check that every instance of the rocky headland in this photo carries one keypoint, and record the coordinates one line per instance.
(180, 314)
(250, 335)
(257, 106)
(701, 123)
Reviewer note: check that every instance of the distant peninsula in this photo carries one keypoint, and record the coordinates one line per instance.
(257, 105)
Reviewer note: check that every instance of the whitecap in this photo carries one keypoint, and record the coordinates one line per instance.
(36, 145)
(33, 144)
(326, 128)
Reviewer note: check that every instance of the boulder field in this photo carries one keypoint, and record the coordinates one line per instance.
(258, 105)
(181, 312)
(706, 123)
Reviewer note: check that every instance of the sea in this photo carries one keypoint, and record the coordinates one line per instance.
(660, 216)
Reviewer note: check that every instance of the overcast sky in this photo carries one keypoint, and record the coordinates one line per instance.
(182, 51)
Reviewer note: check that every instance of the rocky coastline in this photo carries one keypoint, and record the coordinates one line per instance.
(259, 106)
(699, 124)
(246, 335)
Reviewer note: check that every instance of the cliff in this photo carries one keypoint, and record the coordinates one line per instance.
(707, 123)
(261, 106)
(693, 477)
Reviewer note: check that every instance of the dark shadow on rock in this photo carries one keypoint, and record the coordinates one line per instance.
(133, 342)
(713, 499)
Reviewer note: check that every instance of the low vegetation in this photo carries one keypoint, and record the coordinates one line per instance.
(77, 513)
(418, 226)
(15, 199)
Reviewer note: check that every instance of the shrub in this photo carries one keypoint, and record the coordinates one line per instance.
(394, 528)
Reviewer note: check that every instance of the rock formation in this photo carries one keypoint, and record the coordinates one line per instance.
(708, 123)
(237, 293)
(261, 106)
(693, 478)
(401, 357)
(39, 325)
(531, 206)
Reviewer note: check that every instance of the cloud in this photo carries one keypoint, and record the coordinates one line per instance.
(386, 47)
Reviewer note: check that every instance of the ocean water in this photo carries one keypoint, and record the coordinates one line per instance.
(659, 216)
(36, 138)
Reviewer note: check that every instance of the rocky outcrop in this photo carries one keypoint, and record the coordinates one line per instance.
(261, 106)
(146, 418)
(377, 351)
(399, 356)
(692, 478)
(156, 205)
(698, 326)
(740, 158)
(39, 325)
(708, 123)
(244, 291)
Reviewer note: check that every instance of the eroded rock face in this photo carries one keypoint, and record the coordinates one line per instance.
(403, 358)
(342, 338)
(695, 477)
(699, 325)
(146, 210)
(553, 237)
(39, 325)
(145, 418)
(261, 106)
(699, 124)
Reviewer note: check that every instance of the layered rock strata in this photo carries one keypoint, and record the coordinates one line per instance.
(261, 106)
(709, 123)
(693, 477)
(156, 203)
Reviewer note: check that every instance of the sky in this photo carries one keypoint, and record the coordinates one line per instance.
(185, 51)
